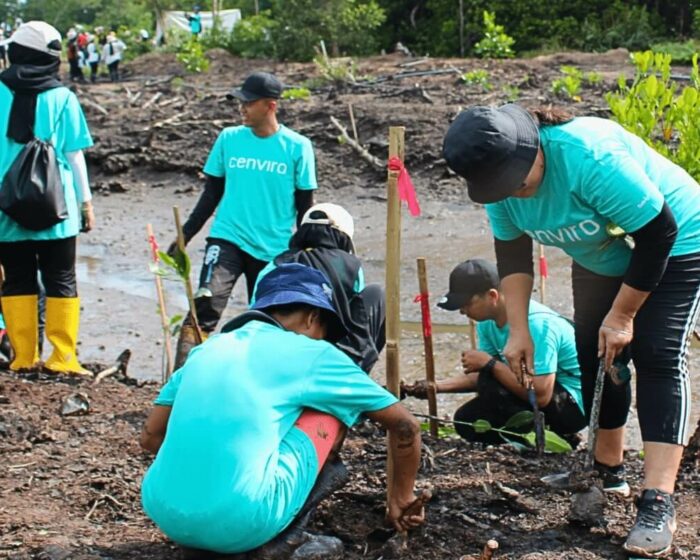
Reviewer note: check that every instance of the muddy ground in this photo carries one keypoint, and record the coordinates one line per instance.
(69, 485)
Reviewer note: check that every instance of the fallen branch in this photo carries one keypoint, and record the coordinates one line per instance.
(153, 99)
(363, 153)
(94, 105)
(119, 368)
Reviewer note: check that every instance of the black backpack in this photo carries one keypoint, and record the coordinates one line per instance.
(32, 191)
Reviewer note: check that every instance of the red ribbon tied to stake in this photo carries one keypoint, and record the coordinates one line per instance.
(543, 267)
(407, 192)
(424, 301)
(154, 247)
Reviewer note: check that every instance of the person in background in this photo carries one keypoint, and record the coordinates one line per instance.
(3, 49)
(33, 102)
(93, 58)
(73, 57)
(630, 220)
(247, 431)
(112, 54)
(261, 176)
(195, 20)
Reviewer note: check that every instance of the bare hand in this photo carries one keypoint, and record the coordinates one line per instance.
(88, 216)
(520, 349)
(614, 334)
(408, 513)
(474, 360)
(418, 389)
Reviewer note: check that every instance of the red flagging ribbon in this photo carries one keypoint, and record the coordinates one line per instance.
(406, 190)
(154, 247)
(543, 267)
(424, 301)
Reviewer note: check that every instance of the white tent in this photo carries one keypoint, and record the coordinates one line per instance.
(178, 20)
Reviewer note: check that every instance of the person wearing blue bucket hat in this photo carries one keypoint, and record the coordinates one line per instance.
(630, 220)
(246, 432)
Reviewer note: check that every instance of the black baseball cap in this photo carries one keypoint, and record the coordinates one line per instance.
(468, 279)
(259, 85)
(493, 148)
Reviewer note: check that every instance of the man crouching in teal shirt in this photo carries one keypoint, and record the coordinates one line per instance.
(244, 428)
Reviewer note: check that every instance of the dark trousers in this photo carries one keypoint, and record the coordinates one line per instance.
(373, 301)
(76, 72)
(223, 263)
(54, 259)
(496, 404)
(659, 349)
(94, 66)
(113, 71)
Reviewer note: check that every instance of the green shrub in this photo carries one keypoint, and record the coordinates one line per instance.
(593, 78)
(335, 70)
(681, 52)
(215, 38)
(569, 85)
(653, 108)
(192, 56)
(696, 23)
(296, 93)
(252, 36)
(478, 78)
(495, 43)
(512, 93)
(620, 25)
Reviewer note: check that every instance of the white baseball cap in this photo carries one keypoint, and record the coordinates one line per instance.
(327, 213)
(38, 35)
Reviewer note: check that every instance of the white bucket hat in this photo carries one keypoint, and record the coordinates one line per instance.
(38, 35)
(334, 215)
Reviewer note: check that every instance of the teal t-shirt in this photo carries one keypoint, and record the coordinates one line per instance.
(555, 346)
(233, 471)
(60, 118)
(597, 173)
(257, 211)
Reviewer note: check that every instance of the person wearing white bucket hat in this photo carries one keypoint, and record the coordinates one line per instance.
(324, 241)
(34, 104)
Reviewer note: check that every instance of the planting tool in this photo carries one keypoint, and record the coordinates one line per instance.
(424, 299)
(538, 416)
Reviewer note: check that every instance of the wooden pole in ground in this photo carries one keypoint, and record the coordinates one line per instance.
(352, 122)
(472, 334)
(428, 344)
(164, 322)
(188, 283)
(393, 278)
(543, 275)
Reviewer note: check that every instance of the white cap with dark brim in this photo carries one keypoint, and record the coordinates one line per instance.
(38, 35)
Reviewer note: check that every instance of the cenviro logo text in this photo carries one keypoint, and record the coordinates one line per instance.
(255, 164)
(566, 234)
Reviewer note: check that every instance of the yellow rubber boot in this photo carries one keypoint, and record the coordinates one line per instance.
(22, 321)
(62, 320)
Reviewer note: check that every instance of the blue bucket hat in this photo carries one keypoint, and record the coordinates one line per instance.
(297, 283)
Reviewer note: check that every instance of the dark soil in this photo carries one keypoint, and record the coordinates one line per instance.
(69, 486)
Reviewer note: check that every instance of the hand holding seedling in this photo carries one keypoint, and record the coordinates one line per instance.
(405, 514)
(418, 389)
(474, 360)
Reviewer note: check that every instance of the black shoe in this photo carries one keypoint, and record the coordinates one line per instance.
(614, 478)
(652, 533)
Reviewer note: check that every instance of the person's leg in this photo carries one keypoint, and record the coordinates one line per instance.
(57, 267)
(562, 414)
(593, 297)
(252, 268)
(223, 264)
(19, 301)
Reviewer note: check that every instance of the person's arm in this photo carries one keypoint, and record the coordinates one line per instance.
(460, 384)
(405, 444)
(154, 429)
(207, 203)
(652, 246)
(542, 383)
(303, 200)
(76, 161)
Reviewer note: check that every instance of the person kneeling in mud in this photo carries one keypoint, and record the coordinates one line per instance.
(324, 241)
(474, 291)
(245, 433)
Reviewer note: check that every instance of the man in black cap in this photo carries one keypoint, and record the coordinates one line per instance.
(474, 291)
(261, 175)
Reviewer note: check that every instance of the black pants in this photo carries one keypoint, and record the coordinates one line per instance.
(54, 259)
(659, 349)
(76, 72)
(496, 404)
(373, 301)
(113, 71)
(223, 263)
(94, 66)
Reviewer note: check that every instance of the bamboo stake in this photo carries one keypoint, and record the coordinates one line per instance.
(188, 283)
(393, 280)
(428, 344)
(543, 277)
(352, 122)
(165, 324)
(472, 334)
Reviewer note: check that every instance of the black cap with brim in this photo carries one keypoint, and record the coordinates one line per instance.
(452, 301)
(242, 95)
(493, 149)
(259, 85)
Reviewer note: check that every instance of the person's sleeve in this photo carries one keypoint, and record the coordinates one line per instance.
(485, 344)
(269, 267)
(303, 200)
(501, 225)
(215, 165)
(76, 134)
(616, 186)
(76, 160)
(167, 394)
(514, 256)
(207, 203)
(546, 347)
(337, 386)
(305, 168)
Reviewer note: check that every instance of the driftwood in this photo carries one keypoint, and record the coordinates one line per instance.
(362, 152)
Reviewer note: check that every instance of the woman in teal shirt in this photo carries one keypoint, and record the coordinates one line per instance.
(33, 102)
(630, 220)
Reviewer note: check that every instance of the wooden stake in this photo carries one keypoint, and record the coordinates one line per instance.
(428, 345)
(188, 283)
(165, 324)
(352, 122)
(543, 279)
(489, 548)
(472, 334)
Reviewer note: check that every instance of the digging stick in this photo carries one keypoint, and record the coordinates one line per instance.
(393, 278)
(352, 122)
(428, 343)
(188, 283)
(595, 415)
(543, 275)
(538, 416)
(165, 324)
